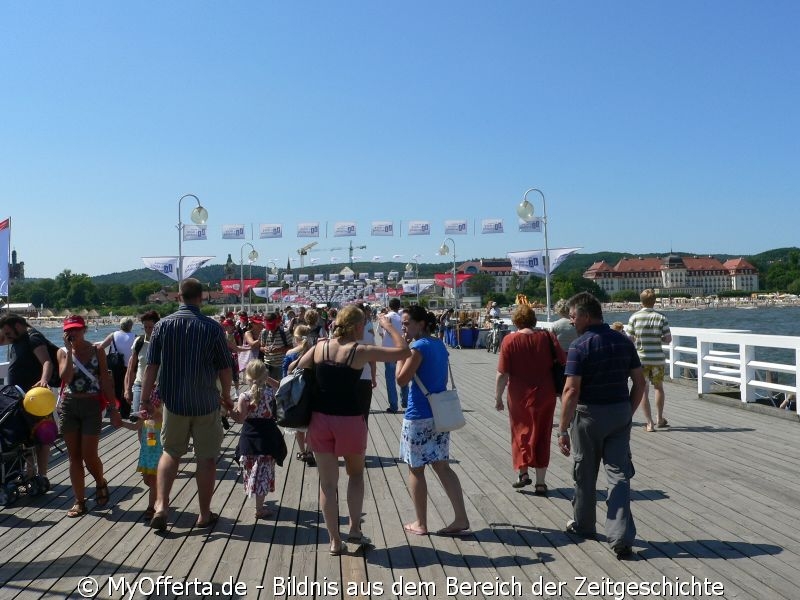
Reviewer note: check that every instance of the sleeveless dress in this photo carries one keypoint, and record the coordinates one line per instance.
(260, 446)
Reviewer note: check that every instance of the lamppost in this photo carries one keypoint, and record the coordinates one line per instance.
(444, 250)
(252, 257)
(272, 267)
(409, 267)
(525, 212)
(199, 217)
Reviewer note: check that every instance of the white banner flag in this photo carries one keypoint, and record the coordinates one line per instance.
(534, 226)
(383, 228)
(270, 230)
(344, 229)
(303, 277)
(288, 277)
(308, 229)
(455, 227)
(5, 251)
(363, 276)
(194, 232)
(379, 275)
(532, 261)
(319, 277)
(333, 277)
(233, 232)
(419, 228)
(168, 265)
(272, 277)
(492, 226)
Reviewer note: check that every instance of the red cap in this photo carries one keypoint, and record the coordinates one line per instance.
(228, 323)
(257, 320)
(74, 322)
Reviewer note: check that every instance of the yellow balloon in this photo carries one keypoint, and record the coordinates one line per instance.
(39, 402)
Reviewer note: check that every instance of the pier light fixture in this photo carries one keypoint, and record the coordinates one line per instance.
(444, 250)
(251, 257)
(526, 212)
(415, 268)
(199, 216)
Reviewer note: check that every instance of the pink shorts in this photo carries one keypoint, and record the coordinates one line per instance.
(331, 434)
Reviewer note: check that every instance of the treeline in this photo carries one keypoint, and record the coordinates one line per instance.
(779, 271)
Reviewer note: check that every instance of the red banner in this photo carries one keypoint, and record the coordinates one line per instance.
(446, 279)
(231, 286)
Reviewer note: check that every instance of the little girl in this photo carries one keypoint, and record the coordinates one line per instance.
(261, 443)
(300, 338)
(149, 428)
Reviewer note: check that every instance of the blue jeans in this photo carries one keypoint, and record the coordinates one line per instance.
(390, 371)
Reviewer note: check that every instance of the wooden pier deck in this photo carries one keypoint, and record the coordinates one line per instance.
(715, 497)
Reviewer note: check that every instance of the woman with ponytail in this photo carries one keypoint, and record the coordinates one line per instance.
(338, 427)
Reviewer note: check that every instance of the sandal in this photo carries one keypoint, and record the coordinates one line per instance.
(149, 513)
(310, 460)
(264, 513)
(522, 480)
(300, 456)
(341, 549)
(101, 494)
(540, 489)
(663, 423)
(78, 509)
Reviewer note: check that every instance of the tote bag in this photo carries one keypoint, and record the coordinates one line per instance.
(445, 406)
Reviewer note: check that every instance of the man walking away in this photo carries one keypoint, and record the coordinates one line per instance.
(596, 411)
(649, 329)
(192, 354)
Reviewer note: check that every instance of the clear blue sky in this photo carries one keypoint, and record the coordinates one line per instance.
(293, 111)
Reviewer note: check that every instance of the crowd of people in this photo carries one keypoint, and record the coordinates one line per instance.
(188, 374)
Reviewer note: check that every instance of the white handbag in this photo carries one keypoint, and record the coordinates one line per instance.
(445, 406)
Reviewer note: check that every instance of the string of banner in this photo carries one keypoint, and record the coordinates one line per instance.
(312, 229)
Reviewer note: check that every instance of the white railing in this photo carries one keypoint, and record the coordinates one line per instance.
(728, 358)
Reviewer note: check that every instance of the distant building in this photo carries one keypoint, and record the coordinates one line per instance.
(675, 275)
(499, 268)
(16, 270)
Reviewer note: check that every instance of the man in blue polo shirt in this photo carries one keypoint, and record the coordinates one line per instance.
(596, 412)
(188, 352)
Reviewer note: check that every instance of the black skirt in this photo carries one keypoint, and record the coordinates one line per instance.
(261, 437)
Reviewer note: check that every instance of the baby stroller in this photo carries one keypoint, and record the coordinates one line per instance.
(17, 449)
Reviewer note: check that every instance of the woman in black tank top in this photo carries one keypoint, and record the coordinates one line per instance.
(338, 427)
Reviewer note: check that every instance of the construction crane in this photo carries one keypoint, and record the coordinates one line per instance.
(349, 248)
(303, 252)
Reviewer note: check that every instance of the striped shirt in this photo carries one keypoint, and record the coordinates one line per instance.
(648, 327)
(603, 359)
(191, 350)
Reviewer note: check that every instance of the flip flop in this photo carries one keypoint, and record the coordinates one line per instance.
(649, 428)
(338, 551)
(414, 530)
(212, 520)
(454, 532)
(663, 423)
(159, 521)
(359, 540)
(264, 513)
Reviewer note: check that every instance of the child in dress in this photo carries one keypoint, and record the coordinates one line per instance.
(148, 426)
(261, 443)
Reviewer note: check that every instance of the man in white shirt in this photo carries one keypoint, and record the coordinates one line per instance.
(390, 368)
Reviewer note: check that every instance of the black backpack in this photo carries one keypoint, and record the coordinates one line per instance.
(52, 352)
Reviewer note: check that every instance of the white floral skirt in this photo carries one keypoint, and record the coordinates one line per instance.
(421, 444)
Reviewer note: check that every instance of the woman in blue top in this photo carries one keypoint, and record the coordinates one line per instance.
(420, 443)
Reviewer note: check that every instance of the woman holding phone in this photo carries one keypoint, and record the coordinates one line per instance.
(88, 384)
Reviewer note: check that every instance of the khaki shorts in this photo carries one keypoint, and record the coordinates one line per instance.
(655, 374)
(205, 431)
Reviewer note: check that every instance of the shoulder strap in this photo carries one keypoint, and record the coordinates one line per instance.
(422, 387)
(552, 347)
(326, 349)
(351, 355)
(138, 343)
(84, 370)
(114, 342)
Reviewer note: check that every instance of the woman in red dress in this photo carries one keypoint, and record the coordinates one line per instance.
(525, 365)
